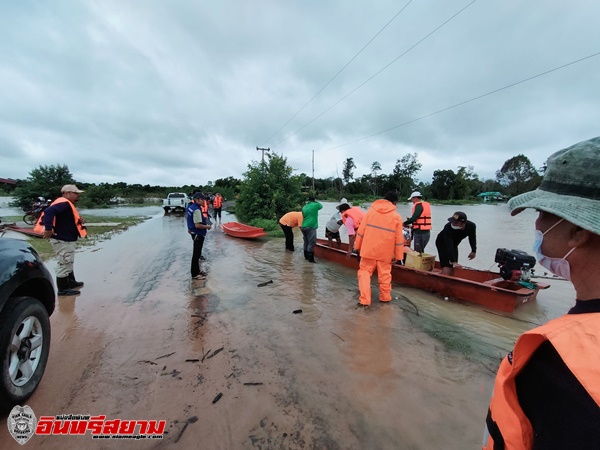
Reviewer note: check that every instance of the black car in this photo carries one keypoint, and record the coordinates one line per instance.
(27, 300)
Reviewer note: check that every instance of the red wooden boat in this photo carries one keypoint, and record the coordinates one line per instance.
(483, 287)
(27, 231)
(241, 230)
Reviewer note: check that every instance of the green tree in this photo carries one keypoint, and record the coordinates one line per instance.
(45, 181)
(269, 190)
(347, 171)
(518, 175)
(403, 175)
(442, 186)
(375, 167)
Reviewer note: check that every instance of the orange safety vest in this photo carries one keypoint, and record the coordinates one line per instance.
(204, 208)
(380, 234)
(424, 220)
(39, 228)
(292, 219)
(356, 214)
(217, 201)
(575, 337)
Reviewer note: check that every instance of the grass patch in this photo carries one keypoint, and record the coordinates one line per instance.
(270, 226)
(95, 234)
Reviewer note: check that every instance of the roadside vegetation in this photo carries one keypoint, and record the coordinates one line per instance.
(95, 233)
(270, 188)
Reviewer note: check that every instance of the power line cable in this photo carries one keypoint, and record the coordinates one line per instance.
(468, 101)
(374, 75)
(340, 71)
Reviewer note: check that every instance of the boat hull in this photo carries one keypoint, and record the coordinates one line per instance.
(240, 230)
(482, 287)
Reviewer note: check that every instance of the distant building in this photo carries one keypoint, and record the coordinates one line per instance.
(8, 181)
(493, 196)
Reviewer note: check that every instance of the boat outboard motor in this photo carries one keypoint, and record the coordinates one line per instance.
(515, 265)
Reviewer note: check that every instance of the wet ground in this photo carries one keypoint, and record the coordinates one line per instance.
(143, 341)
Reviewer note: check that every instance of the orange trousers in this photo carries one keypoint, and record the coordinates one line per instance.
(384, 275)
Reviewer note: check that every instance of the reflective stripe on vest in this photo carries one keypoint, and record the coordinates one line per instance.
(575, 338)
(39, 227)
(424, 220)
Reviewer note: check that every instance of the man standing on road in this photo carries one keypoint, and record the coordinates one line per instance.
(217, 206)
(310, 224)
(547, 390)
(197, 225)
(60, 222)
(288, 222)
(380, 241)
(457, 228)
(420, 220)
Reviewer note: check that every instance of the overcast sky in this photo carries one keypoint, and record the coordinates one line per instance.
(174, 92)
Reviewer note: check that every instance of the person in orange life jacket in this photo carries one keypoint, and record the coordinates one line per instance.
(352, 216)
(420, 221)
(380, 241)
(457, 228)
(217, 206)
(310, 224)
(61, 224)
(197, 225)
(547, 390)
(288, 222)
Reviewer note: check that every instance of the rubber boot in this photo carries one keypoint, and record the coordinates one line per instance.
(311, 257)
(305, 254)
(62, 284)
(73, 283)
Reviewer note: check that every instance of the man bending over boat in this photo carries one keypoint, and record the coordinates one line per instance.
(457, 228)
(547, 390)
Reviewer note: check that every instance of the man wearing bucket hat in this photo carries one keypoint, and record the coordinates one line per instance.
(61, 224)
(547, 390)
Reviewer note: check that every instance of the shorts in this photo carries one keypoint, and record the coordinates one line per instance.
(332, 234)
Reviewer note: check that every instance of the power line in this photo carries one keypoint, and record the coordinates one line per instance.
(340, 71)
(374, 75)
(468, 101)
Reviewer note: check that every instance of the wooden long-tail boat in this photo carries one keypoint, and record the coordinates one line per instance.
(241, 230)
(482, 287)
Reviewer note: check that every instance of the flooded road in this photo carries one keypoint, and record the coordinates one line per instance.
(143, 341)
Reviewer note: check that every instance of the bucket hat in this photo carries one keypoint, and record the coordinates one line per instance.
(414, 194)
(570, 188)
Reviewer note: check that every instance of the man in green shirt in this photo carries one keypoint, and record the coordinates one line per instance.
(310, 224)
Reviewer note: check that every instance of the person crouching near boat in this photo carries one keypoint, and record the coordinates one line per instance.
(547, 390)
(380, 241)
(332, 228)
(288, 222)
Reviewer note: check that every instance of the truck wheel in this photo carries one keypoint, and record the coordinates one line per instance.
(24, 346)
(166, 210)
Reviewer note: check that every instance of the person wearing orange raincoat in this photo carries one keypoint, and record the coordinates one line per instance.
(380, 241)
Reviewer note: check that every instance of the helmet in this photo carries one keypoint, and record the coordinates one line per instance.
(41, 199)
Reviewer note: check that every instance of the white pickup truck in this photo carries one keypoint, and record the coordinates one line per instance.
(175, 201)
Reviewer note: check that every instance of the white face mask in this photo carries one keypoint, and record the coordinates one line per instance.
(558, 266)
(456, 227)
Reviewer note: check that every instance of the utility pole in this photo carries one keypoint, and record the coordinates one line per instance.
(313, 169)
(263, 150)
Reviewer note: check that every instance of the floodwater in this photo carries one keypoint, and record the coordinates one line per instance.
(140, 341)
